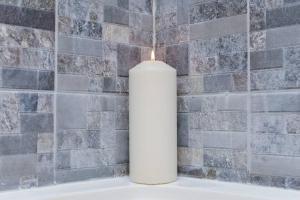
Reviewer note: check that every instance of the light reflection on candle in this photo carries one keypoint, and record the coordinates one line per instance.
(152, 55)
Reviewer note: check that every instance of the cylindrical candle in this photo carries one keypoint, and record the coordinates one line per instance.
(152, 123)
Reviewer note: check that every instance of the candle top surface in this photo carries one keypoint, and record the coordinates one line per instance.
(152, 65)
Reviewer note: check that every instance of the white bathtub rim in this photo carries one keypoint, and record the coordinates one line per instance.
(98, 185)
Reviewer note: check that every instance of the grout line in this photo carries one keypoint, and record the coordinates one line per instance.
(55, 93)
(249, 158)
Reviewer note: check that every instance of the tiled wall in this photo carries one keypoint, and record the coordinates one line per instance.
(238, 79)
(275, 95)
(64, 85)
(27, 66)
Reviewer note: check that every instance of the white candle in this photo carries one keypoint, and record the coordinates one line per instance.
(152, 123)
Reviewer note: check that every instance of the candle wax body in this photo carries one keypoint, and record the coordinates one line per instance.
(152, 123)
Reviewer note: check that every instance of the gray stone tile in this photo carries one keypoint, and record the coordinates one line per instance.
(9, 57)
(218, 27)
(95, 84)
(283, 17)
(267, 123)
(121, 170)
(122, 120)
(195, 104)
(16, 167)
(232, 102)
(37, 123)
(291, 2)
(292, 57)
(140, 38)
(72, 64)
(93, 139)
(203, 12)
(289, 102)
(90, 10)
(64, 176)
(37, 59)
(293, 183)
(39, 5)
(9, 113)
(79, 46)
(166, 6)
(122, 103)
(27, 17)
(186, 85)
(293, 123)
(172, 36)
(267, 80)
(142, 6)
(233, 43)
(116, 15)
(27, 37)
(63, 160)
(71, 111)
(46, 80)
(12, 145)
(195, 139)
(182, 12)
(257, 15)
(77, 139)
(190, 156)
(128, 57)
(227, 8)
(178, 57)
(182, 104)
(194, 171)
(257, 40)
(218, 83)
(101, 103)
(222, 158)
(66, 82)
(108, 140)
(109, 84)
(28, 102)
(19, 79)
(232, 175)
(122, 148)
(230, 140)
(94, 120)
(272, 4)
(278, 144)
(45, 103)
(200, 65)
(116, 33)
(182, 130)
(88, 158)
(292, 77)
(166, 20)
(123, 4)
(233, 63)
(266, 59)
(107, 122)
(45, 143)
(206, 48)
(260, 179)
(77, 27)
(140, 21)
(219, 121)
(45, 169)
(275, 165)
(282, 37)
